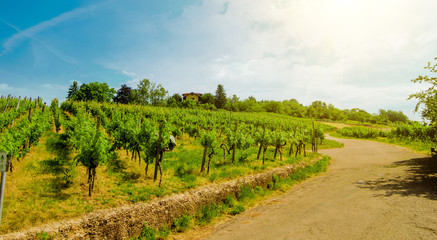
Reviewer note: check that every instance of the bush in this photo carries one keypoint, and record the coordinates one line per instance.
(246, 193)
(182, 224)
(148, 233)
(360, 132)
(239, 208)
(208, 212)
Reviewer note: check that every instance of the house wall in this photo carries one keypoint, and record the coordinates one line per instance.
(192, 96)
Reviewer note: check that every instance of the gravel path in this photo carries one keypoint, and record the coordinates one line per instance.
(371, 191)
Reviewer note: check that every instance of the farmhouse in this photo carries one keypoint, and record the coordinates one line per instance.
(195, 96)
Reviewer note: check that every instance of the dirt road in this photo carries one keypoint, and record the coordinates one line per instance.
(371, 191)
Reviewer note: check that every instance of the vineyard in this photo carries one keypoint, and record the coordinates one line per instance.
(419, 136)
(82, 156)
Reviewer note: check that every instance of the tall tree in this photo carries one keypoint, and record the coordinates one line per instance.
(427, 98)
(220, 97)
(123, 94)
(149, 93)
(72, 90)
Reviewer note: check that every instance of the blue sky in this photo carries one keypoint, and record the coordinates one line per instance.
(345, 52)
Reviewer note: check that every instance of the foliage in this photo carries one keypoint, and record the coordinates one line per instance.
(148, 233)
(123, 94)
(360, 132)
(246, 193)
(93, 91)
(190, 103)
(414, 132)
(220, 97)
(72, 90)
(91, 143)
(207, 98)
(182, 224)
(45, 236)
(391, 116)
(208, 212)
(174, 101)
(149, 93)
(428, 97)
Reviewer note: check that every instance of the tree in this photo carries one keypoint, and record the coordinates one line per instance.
(207, 98)
(220, 97)
(123, 94)
(177, 97)
(427, 98)
(93, 91)
(149, 93)
(174, 101)
(273, 106)
(72, 90)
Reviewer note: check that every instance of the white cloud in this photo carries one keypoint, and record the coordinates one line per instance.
(4, 88)
(346, 52)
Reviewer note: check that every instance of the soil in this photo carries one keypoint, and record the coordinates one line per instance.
(371, 191)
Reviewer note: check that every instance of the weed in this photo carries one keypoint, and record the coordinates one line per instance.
(183, 169)
(213, 177)
(246, 193)
(230, 201)
(208, 212)
(45, 236)
(163, 233)
(237, 209)
(147, 233)
(182, 224)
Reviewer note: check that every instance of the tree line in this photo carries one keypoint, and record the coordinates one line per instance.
(149, 93)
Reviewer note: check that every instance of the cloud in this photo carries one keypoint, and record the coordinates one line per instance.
(5, 88)
(349, 53)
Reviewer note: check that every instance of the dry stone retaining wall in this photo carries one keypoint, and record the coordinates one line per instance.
(128, 221)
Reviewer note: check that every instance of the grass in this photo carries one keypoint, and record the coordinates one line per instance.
(421, 147)
(418, 146)
(33, 197)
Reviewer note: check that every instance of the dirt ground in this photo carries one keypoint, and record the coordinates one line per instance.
(371, 191)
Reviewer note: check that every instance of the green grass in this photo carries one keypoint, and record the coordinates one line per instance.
(422, 147)
(418, 146)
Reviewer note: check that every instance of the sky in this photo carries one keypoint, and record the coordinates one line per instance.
(349, 53)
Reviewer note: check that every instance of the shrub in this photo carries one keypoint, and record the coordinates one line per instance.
(182, 224)
(208, 212)
(246, 193)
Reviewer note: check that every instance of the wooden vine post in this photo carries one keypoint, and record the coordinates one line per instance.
(205, 150)
(261, 142)
(6, 106)
(158, 154)
(92, 169)
(5, 160)
(16, 109)
(30, 114)
(138, 150)
(209, 160)
(292, 142)
(234, 145)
